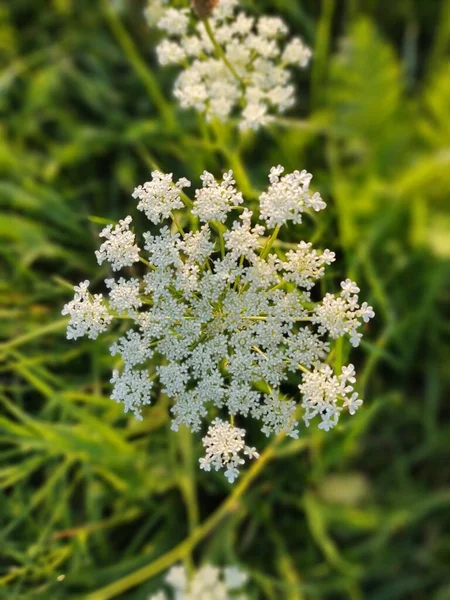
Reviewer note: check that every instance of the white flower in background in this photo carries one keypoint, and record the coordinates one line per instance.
(221, 317)
(246, 70)
(207, 583)
(155, 11)
(119, 249)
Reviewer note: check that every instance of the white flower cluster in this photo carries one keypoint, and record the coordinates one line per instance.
(88, 315)
(321, 391)
(222, 316)
(119, 249)
(208, 583)
(233, 62)
(223, 443)
(342, 315)
(160, 196)
(288, 197)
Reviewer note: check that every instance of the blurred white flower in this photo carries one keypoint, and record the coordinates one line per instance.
(234, 64)
(207, 583)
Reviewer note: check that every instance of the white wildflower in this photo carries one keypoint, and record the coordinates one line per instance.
(325, 395)
(124, 295)
(287, 197)
(132, 387)
(296, 53)
(349, 288)
(277, 414)
(214, 200)
(119, 249)
(160, 196)
(155, 11)
(255, 76)
(223, 316)
(305, 266)
(207, 583)
(341, 315)
(197, 245)
(224, 445)
(174, 21)
(366, 312)
(170, 53)
(133, 348)
(234, 578)
(243, 240)
(88, 315)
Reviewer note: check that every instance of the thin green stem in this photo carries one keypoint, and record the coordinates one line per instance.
(177, 224)
(219, 51)
(186, 546)
(269, 243)
(219, 227)
(302, 368)
(146, 263)
(137, 62)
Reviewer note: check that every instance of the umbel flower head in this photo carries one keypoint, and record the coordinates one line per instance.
(207, 583)
(222, 317)
(234, 64)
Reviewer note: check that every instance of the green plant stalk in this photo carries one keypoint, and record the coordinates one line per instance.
(144, 73)
(219, 51)
(268, 245)
(321, 48)
(185, 547)
(32, 335)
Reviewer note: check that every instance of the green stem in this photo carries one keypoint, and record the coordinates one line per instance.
(36, 333)
(219, 227)
(146, 263)
(144, 73)
(321, 50)
(185, 547)
(177, 224)
(302, 368)
(269, 243)
(219, 51)
(239, 173)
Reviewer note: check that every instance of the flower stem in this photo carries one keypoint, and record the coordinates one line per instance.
(268, 245)
(219, 51)
(146, 76)
(182, 549)
(177, 224)
(146, 263)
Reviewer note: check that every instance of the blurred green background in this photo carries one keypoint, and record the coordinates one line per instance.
(96, 505)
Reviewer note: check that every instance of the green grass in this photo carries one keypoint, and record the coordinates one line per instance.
(94, 504)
